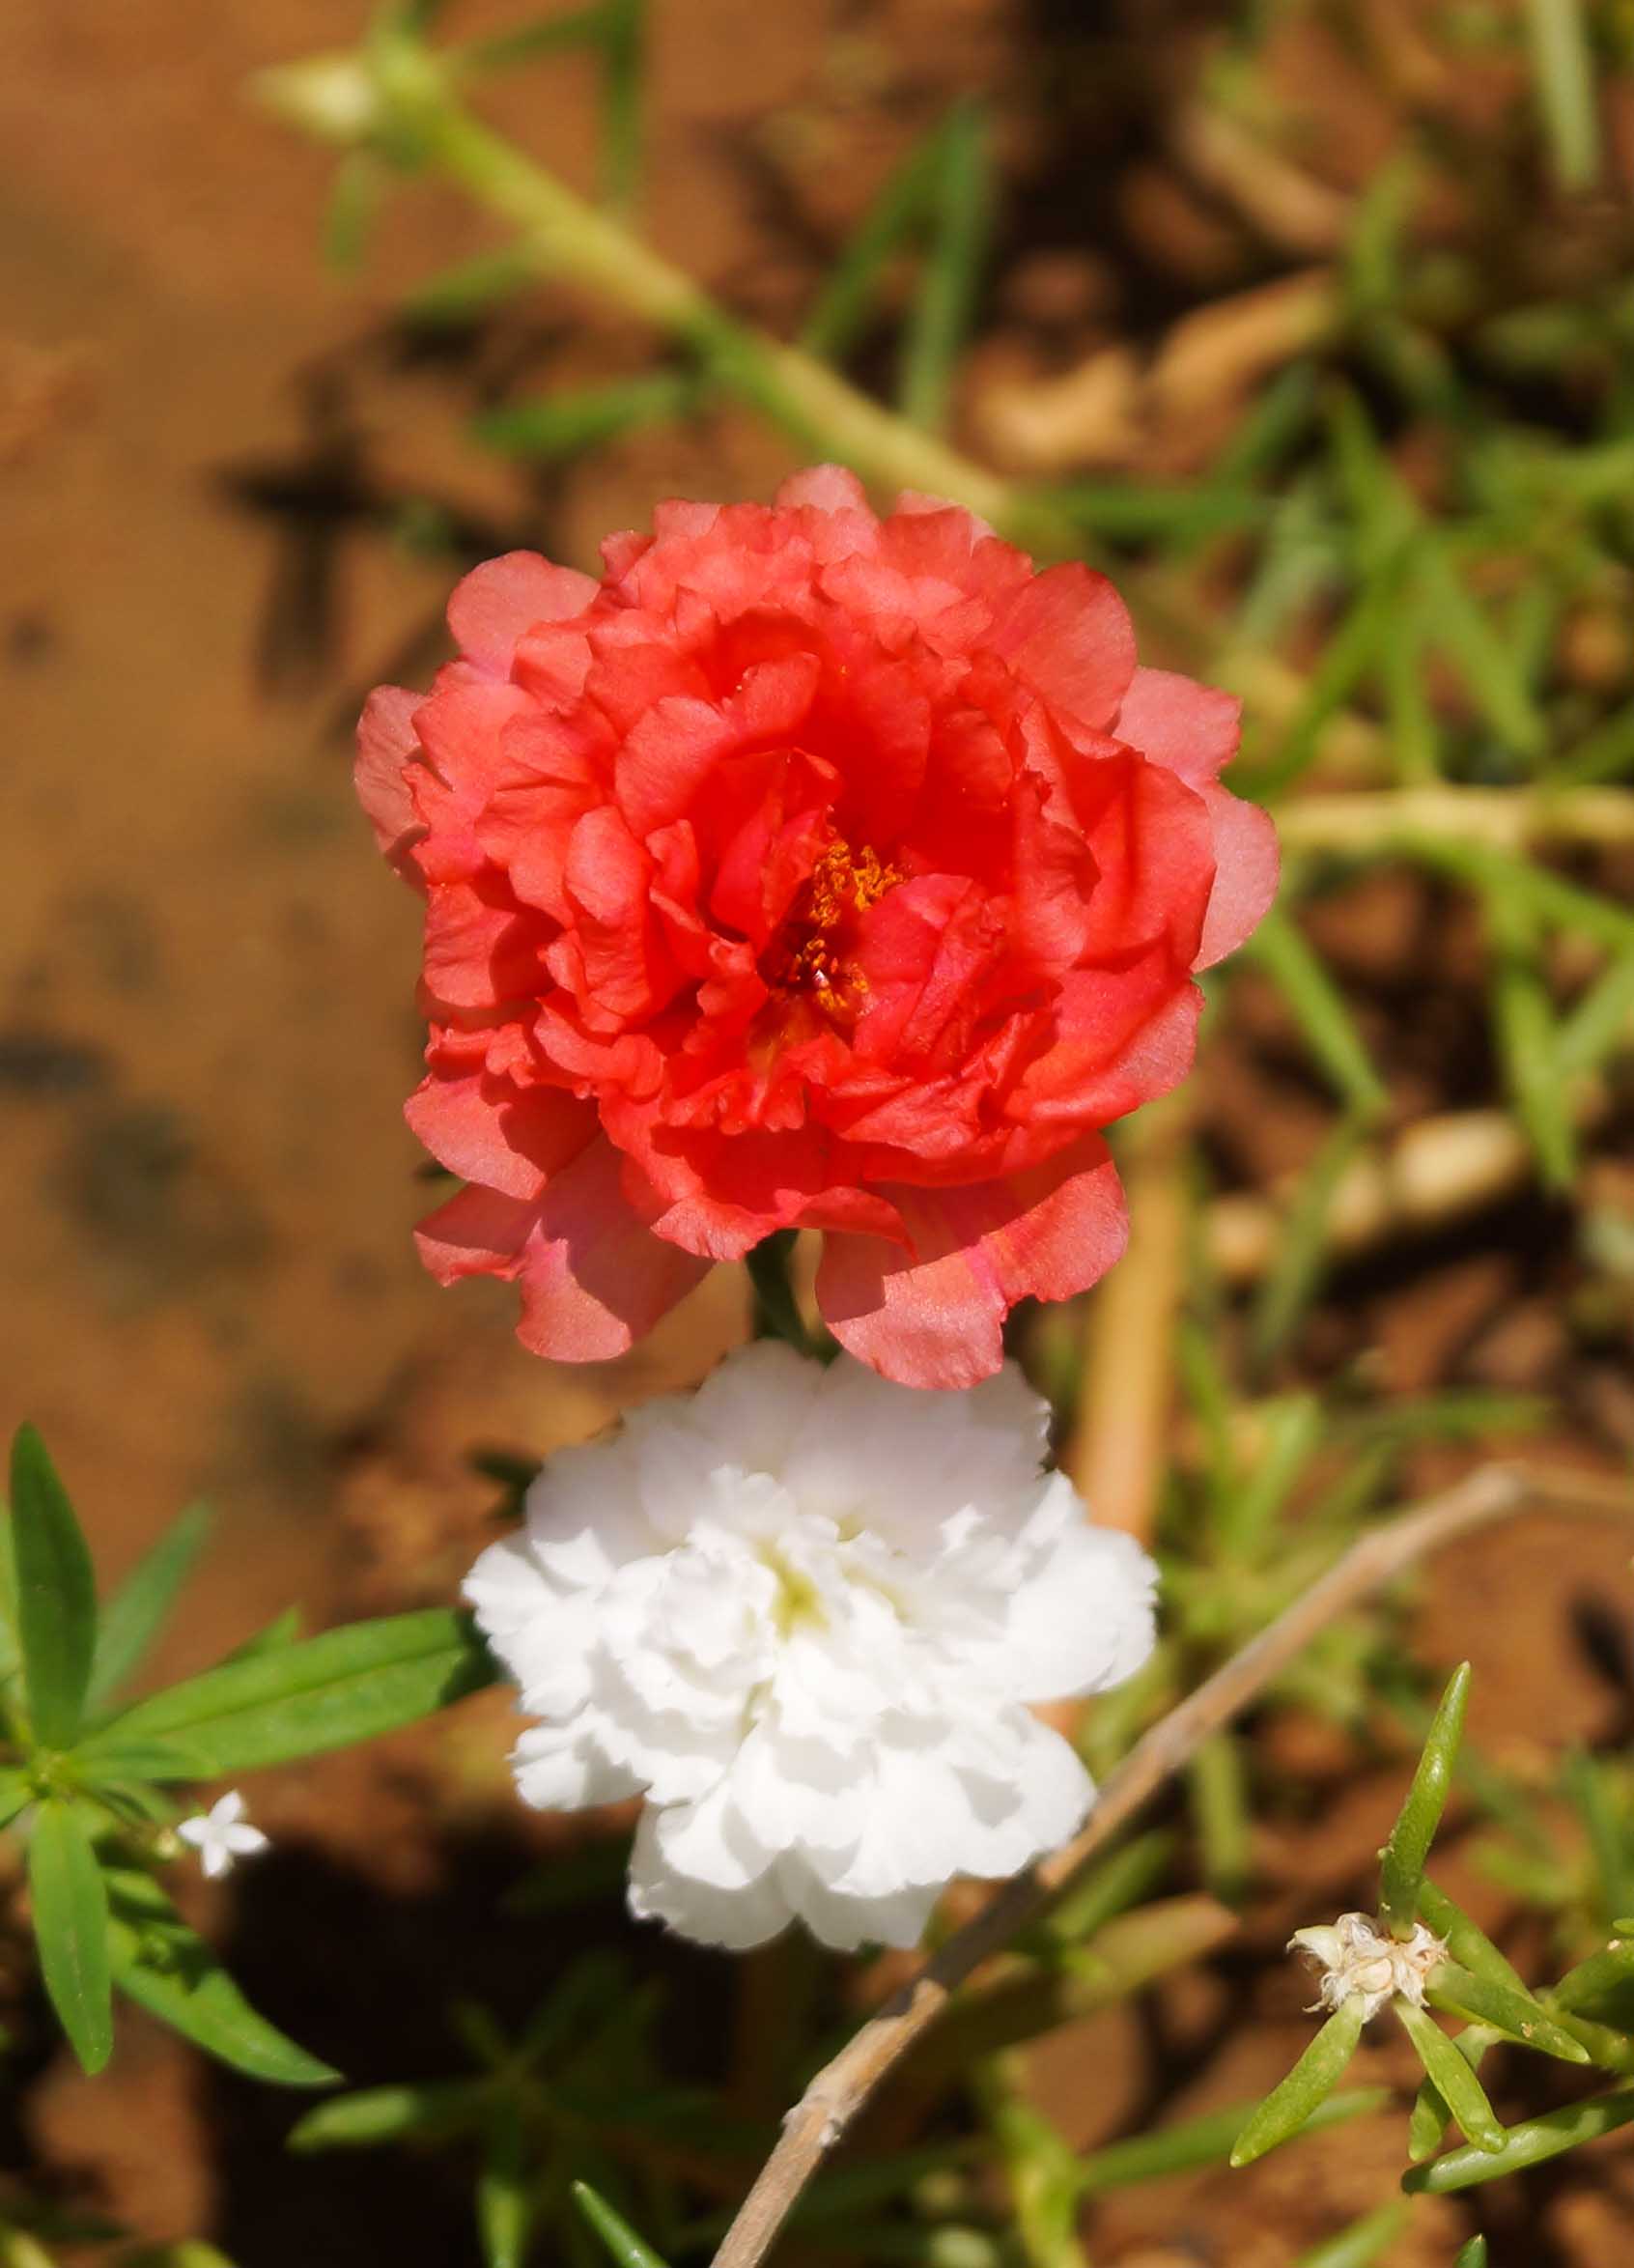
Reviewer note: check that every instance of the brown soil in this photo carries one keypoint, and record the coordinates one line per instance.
(207, 1026)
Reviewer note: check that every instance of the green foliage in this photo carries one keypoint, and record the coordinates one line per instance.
(70, 1926)
(56, 1594)
(1402, 1862)
(1290, 2105)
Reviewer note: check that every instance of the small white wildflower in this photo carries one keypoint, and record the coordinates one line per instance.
(802, 1611)
(1360, 1960)
(222, 1835)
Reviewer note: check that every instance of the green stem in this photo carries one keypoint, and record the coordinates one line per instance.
(777, 1311)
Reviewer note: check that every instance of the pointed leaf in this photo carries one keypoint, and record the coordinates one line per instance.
(1604, 1973)
(361, 2121)
(1289, 2107)
(1320, 1009)
(133, 1617)
(1481, 2000)
(56, 1593)
(70, 1926)
(1472, 2255)
(616, 2233)
(1401, 1869)
(947, 288)
(172, 1974)
(1454, 2080)
(505, 2201)
(1207, 2141)
(346, 1685)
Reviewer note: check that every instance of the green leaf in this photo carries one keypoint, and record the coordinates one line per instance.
(346, 1685)
(1313, 2078)
(566, 424)
(361, 2121)
(1528, 2143)
(505, 2201)
(465, 292)
(1585, 1784)
(17, 1792)
(1464, 1940)
(1402, 1862)
(623, 55)
(1600, 1020)
(776, 1310)
(361, 181)
(1472, 2255)
(1362, 2242)
(1207, 2141)
(1481, 2000)
(56, 1594)
(614, 2231)
(832, 327)
(1297, 1269)
(1603, 1974)
(1451, 2076)
(1217, 1783)
(165, 1969)
(1484, 659)
(1430, 2117)
(1321, 1012)
(1562, 57)
(943, 305)
(70, 1926)
(133, 1617)
(1528, 1042)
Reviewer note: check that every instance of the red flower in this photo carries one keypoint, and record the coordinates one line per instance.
(810, 869)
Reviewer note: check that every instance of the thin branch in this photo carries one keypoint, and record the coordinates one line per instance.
(836, 2094)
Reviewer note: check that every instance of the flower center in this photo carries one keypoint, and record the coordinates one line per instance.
(820, 935)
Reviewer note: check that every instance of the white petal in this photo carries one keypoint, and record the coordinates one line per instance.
(1087, 1620)
(734, 1918)
(243, 1840)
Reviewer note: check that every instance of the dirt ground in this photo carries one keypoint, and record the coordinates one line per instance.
(210, 458)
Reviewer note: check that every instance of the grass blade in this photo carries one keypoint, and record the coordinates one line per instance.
(1207, 2141)
(1401, 1861)
(834, 324)
(1528, 1046)
(1296, 1273)
(946, 299)
(563, 425)
(56, 1594)
(136, 1613)
(1320, 1009)
(70, 1927)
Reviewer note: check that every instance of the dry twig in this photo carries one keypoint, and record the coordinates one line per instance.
(836, 2094)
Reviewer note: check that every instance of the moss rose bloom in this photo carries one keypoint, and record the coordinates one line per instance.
(814, 870)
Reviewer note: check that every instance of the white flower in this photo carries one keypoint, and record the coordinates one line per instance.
(222, 1835)
(802, 1611)
(1360, 1960)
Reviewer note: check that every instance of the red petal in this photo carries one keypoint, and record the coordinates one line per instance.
(1247, 863)
(500, 601)
(385, 742)
(1069, 634)
(485, 1131)
(824, 488)
(937, 1318)
(594, 1277)
(1193, 729)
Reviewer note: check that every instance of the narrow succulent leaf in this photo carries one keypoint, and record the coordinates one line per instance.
(505, 2201)
(346, 1685)
(1363, 2242)
(1484, 659)
(776, 1310)
(139, 1610)
(1290, 1432)
(1528, 2143)
(549, 35)
(1208, 2140)
(620, 2241)
(1321, 1012)
(361, 2121)
(56, 1594)
(166, 1968)
(1121, 1881)
(1350, 654)
(1428, 2124)
(1563, 62)
(943, 303)
(1481, 1999)
(1453, 2079)
(1606, 1971)
(463, 294)
(1472, 2255)
(359, 184)
(559, 425)
(1465, 1940)
(1402, 1862)
(70, 1927)
(1313, 2078)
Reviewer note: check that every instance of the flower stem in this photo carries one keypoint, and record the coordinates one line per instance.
(776, 1310)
